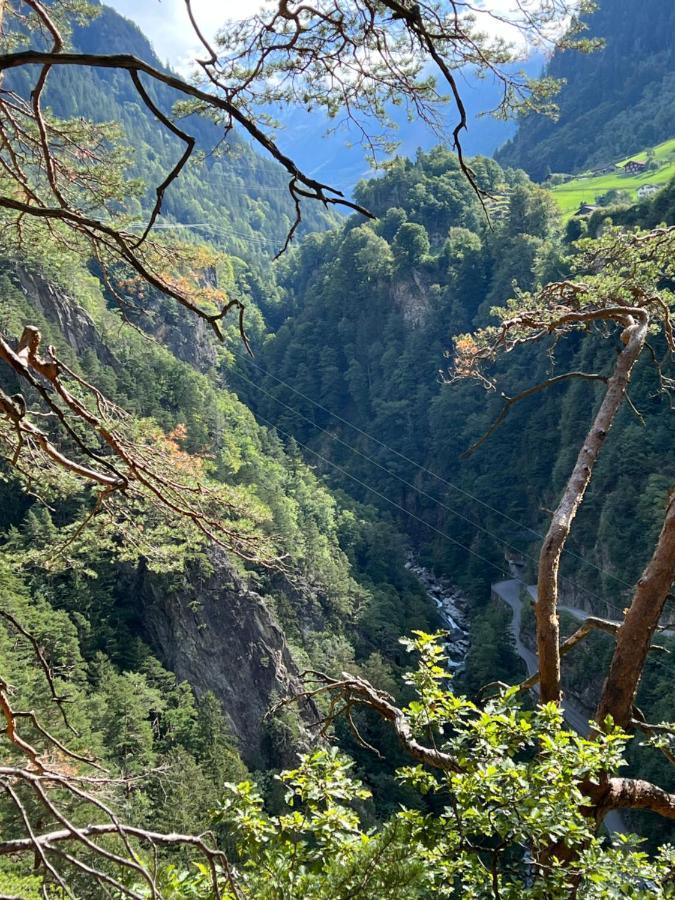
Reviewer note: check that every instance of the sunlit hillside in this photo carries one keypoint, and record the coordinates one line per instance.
(591, 187)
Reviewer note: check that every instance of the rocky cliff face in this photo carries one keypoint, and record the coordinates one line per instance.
(220, 636)
(75, 323)
(410, 295)
(189, 339)
(212, 631)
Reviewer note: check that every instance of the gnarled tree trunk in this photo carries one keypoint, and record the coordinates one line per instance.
(548, 628)
(635, 635)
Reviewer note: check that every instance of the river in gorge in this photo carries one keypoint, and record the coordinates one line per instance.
(453, 608)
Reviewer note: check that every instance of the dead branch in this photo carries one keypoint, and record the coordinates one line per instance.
(44, 665)
(187, 139)
(317, 190)
(510, 402)
(355, 691)
(47, 784)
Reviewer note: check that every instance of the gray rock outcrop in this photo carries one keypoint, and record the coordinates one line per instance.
(218, 635)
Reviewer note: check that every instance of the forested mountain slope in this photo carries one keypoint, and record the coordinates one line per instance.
(119, 596)
(371, 312)
(152, 625)
(237, 199)
(355, 373)
(613, 102)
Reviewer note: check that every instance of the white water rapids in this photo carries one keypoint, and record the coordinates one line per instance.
(453, 608)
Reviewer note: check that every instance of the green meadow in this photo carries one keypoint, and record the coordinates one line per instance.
(586, 188)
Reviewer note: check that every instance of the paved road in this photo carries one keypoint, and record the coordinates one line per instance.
(575, 716)
(509, 591)
(572, 610)
(582, 614)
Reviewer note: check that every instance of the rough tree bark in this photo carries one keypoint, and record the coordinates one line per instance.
(634, 637)
(636, 324)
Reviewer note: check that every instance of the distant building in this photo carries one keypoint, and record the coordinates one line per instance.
(647, 189)
(585, 210)
(604, 170)
(634, 167)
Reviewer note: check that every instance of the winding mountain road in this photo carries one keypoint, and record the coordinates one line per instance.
(575, 716)
(509, 591)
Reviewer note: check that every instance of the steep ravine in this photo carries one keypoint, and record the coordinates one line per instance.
(452, 606)
(220, 636)
(208, 626)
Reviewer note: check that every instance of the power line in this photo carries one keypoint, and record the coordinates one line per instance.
(422, 468)
(657, 662)
(409, 484)
(374, 462)
(207, 226)
(650, 659)
(568, 552)
(379, 494)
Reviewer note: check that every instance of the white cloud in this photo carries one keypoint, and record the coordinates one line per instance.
(509, 20)
(165, 22)
(166, 25)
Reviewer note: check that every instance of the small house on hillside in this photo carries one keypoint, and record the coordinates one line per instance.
(646, 190)
(586, 209)
(634, 167)
(605, 170)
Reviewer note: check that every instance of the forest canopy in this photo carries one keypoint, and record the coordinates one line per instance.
(189, 607)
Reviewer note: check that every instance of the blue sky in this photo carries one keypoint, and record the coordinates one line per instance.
(166, 24)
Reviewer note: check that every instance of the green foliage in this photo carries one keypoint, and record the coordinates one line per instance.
(141, 725)
(367, 314)
(28, 887)
(387, 328)
(350, 595)
(411, 245)
(387, 337)
(511, 794)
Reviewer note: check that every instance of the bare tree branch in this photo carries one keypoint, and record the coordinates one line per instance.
(357, 691)
(510, 402)
(317, 190)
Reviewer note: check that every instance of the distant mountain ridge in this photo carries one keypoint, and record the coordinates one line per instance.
(339, 158)
(613, 102)
(336, 155)
(238, 199)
